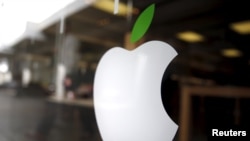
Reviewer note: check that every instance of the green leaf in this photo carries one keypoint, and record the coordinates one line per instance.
(142, 23)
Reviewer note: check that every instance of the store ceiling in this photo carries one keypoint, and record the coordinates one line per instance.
(99, 31)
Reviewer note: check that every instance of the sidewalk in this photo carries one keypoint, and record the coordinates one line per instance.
(21, 115)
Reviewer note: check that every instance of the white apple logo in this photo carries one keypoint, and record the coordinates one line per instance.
(127, 94)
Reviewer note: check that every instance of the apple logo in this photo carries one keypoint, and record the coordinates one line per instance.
(127, 94)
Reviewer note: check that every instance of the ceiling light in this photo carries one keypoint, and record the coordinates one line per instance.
(190, 36)
(108, 6)
(242, 27)
(231, 52)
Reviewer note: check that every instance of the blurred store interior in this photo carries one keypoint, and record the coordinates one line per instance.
(41, 42)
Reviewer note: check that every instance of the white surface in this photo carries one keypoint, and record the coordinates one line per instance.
(41, 13)
(116, 7)
(60, 75)
(26, 76)
(127, 94)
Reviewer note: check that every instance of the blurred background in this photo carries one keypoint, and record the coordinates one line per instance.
(49, 51)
